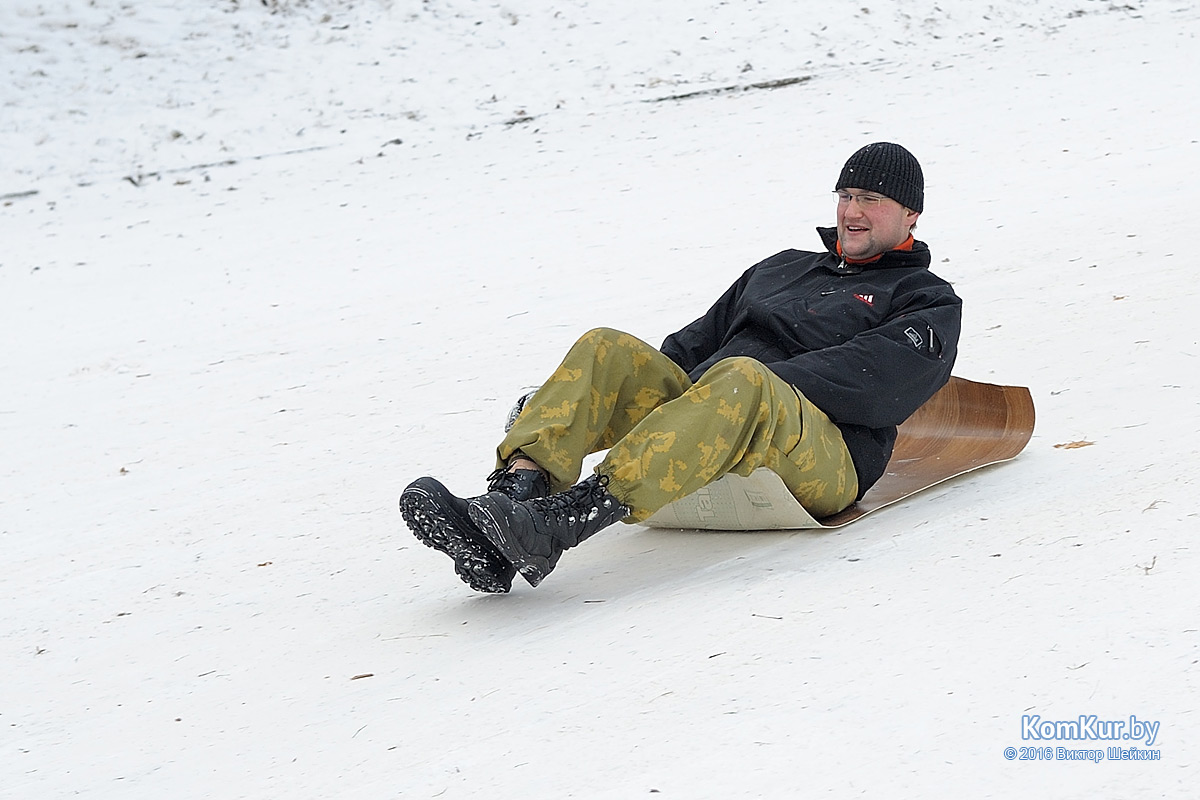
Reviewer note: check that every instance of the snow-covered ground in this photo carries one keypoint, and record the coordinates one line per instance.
(262, 266)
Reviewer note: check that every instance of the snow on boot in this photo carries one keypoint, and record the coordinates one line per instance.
(440, 520)
(532, 534)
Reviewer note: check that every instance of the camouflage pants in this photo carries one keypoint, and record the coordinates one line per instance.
(667, 437)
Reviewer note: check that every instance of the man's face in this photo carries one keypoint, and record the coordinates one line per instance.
(869, 223)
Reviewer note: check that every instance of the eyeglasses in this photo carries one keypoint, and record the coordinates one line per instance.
(864, 200)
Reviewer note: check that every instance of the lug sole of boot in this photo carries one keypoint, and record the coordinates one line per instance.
(489, 517)
(430, 515)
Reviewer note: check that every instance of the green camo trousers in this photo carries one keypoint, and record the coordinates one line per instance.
(667, 437)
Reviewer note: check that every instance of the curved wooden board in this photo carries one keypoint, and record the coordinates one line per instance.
(965, 426)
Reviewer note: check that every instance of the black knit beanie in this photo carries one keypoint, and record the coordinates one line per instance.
(888, 169)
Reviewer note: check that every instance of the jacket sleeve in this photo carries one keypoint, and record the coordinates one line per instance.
(881, 376)
(694, 343)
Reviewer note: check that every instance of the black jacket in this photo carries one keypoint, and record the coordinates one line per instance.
(867, 344)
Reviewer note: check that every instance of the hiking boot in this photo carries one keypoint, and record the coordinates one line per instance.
(440, 520)
(519, 484)
(532, 534)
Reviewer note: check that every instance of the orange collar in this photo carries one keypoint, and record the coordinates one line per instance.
(907, 244)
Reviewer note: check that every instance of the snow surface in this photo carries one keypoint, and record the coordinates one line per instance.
(261, 266)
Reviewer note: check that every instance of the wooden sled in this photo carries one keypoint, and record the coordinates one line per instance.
(965, 426)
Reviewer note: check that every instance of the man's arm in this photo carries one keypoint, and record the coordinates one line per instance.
(697, 341)
(881, 376)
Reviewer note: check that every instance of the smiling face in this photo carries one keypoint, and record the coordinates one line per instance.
(869, 224)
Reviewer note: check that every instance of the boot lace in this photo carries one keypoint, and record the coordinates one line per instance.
(520, 485)
(581, 503)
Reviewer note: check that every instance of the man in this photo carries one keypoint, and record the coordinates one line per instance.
(805, 366)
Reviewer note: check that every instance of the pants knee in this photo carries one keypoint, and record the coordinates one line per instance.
(599, 343)
(737, 371)
(608, 334)
(598, 339)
